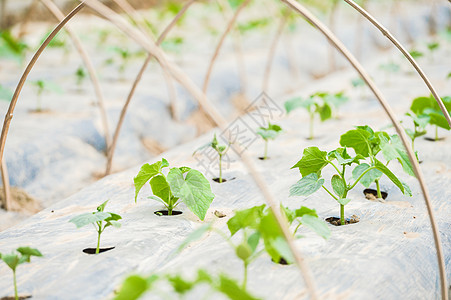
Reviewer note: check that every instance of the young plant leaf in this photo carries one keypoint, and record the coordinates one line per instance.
(233, 290)
(245, 218)
(134, 286)
(394, 149)
(312, 161)
(146, 172)
(307, 185)
(358, 140)
(338, 185)
(194, 190)
(344, 201)
(89, 218)
(317, 225)
(369, 177)
(381, 167)
(160, 188)
(29, 251)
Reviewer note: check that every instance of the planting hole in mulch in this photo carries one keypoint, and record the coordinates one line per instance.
(282, 261)
(223, 179)
(93, 250)
(336, 221)
(263, 158)
(433, 139)
(165, 213)
(13, 298)
(371, 194)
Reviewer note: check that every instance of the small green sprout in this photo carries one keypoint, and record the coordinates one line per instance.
(416, 54)
(426, 109)
(432, 47)
(80, 74)
(20, 256)
(220, 149)
(44, 86)
(99, 219)
(268, 133)
(179, 185)
(11, 47)
(315, 104)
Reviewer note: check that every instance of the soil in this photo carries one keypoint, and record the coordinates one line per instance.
(165, 213)
(433, 139)
(263, 158)
(21, 201)
(220, 214)
(337, 222)
(371, 194)
(13, 298)
(282, 261)
(223, 179)
(93, 250)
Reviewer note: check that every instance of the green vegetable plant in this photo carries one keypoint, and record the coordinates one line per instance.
(179, 185)
(425, 111)
(20, 256)
(271, 132)
(315, 104)
(43, 86)
(416, 54)
(368, 168)
(11, 47)
(99, 219)
(432, 47)
(80, 74)
(221, 150)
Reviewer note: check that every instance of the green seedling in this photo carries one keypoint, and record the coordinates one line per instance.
(136, 286)
(416, 54)
(122, 57)
(366, 144)
(80, 74)
(20, 256)
(43, 86)
(173, 44)
(432, 47)
(426, 109)
(448, 76)
(180, 185)
(357, 82)
(420, 123)
(315, 104)
(10, 47)
(271, 132)
(99, 219)
(220, 149)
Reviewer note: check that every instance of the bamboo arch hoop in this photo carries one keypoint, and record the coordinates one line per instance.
(358, 67)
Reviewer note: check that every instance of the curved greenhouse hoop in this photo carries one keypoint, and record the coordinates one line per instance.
(358, 67)
(197, 93)
(12, 105)
(406, 53)
(90, 68)
(135, 85)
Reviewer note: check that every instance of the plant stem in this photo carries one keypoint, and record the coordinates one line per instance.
(378, 187)
(360, 177)
(342, 214)
(170, 210)
(266, 150)
(15, 285)
(220, 168)
(330, 193)
(436, 133)
(245, 276)
(98, 242)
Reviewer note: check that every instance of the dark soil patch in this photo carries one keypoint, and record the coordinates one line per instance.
(93, 250)
(21, 201)
(13, 298)
(281, 261)
(165, 213)
(337, 222)
(263, 158)
(223, 179)
(371, 194)
(433, 139)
